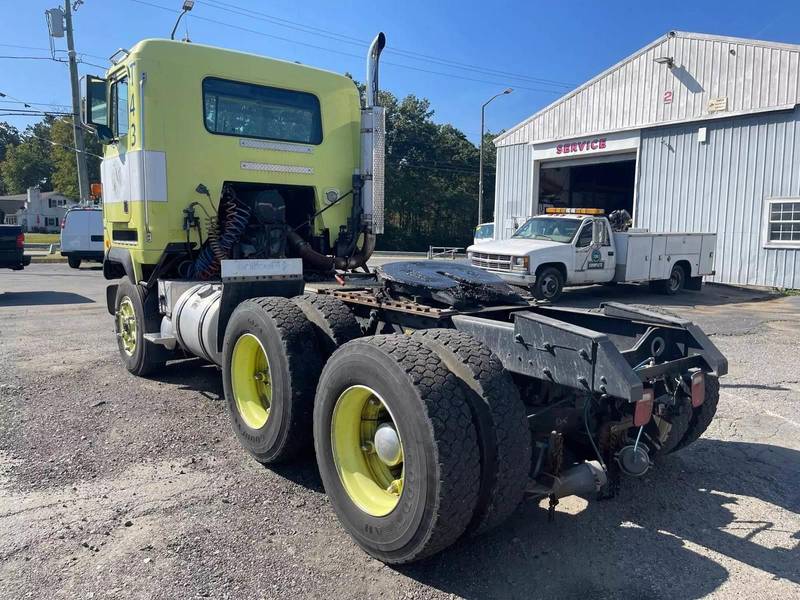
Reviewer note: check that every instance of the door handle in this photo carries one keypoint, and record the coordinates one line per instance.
(611, 254)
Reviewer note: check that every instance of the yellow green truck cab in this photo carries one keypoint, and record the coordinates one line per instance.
(182, 121)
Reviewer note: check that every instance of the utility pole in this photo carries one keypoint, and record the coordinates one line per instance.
(80, 147)
(480, 168)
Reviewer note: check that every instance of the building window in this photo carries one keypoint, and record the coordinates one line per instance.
(783, 222)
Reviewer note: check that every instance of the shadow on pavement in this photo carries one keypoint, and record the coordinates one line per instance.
(41, 298)
(193, 374)
(642, 544)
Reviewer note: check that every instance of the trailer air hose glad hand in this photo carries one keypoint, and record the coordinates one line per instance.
(328, 263)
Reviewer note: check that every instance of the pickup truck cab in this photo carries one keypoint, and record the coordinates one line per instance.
(483, 233)
(567, 247)
(12, 248)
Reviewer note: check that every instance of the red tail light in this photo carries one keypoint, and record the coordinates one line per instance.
(20, 240)
(63, 222)
(698, 389)
(644, 408)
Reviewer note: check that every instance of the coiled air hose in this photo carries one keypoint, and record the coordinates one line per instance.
(223, 233)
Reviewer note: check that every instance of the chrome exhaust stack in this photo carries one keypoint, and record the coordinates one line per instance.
(373, 135)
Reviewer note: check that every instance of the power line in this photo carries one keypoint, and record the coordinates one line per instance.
(339, 37)
(38, 137)
(48, 49)
(291, 41)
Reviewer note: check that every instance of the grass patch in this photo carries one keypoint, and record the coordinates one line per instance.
(42, 238)
(788, 292)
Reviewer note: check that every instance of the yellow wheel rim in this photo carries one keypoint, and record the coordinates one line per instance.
(251, 381)
(367, 451)
(126, 324)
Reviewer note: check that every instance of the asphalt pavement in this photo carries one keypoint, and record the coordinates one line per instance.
(113, 486)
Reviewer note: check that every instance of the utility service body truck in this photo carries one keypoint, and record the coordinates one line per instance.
(435, 396)
(578, 246)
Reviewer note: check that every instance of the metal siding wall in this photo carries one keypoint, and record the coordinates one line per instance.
(721, 187)
(757, 76)
(513, 185)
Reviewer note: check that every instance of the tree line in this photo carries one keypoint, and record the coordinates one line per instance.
(431, 192)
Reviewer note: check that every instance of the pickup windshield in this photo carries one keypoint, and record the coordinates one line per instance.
(554, 229)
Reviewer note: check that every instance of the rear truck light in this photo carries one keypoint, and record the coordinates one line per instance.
(698, 388)
(20, 240)
(644, 408)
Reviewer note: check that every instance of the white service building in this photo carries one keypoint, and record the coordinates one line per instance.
(693, 133)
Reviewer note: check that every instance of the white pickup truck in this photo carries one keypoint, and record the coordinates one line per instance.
(578, 247)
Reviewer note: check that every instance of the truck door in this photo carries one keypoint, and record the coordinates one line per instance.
(594, 258)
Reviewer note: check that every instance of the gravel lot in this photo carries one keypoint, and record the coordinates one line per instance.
(113, 486)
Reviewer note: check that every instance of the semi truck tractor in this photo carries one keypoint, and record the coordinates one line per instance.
(242, 200)
(579, 246)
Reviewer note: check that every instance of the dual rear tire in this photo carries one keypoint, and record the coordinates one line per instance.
(419, 439)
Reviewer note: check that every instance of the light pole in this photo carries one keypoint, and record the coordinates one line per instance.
(187, 6)
(480, 168)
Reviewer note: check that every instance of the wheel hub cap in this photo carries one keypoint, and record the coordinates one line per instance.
(367, 451)
(387, 445)
(251, 381)
(126, 325)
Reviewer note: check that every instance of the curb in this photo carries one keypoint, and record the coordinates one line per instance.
(47, 260)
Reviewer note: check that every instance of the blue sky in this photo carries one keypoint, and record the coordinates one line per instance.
(538, 48)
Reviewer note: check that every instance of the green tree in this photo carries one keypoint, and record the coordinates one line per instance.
(9, 136)
(26, 165)
(65, 173)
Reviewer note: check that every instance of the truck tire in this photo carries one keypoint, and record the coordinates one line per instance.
(673, 285)
(136, 313)
(703, 414)
(500, 419)
(334, 323)
(270, 367)
(679, 425)
(74, 262)
(396, 447)
(549, 284)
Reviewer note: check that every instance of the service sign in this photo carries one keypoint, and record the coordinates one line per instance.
(625, 141)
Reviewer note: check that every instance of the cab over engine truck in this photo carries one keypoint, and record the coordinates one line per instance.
(435, 396)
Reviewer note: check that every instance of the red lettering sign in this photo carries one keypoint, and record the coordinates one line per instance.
(582, 146)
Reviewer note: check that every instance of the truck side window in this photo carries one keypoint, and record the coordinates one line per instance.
(119, 106)
(585, 236)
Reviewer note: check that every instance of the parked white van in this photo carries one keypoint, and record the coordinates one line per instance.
(82, 235)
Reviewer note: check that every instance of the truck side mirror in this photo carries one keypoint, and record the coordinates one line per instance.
(94, 107)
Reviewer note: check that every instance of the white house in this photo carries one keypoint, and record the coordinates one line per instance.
(36, 211)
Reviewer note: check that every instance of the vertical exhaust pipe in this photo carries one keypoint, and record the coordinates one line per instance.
(373, 57)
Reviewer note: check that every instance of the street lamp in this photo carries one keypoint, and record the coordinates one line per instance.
(480, 168)
(187, 6)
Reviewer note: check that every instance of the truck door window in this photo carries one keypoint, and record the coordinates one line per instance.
(585, 236)
(258, 111)
(119, 106)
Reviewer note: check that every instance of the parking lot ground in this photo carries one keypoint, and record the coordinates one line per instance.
(113, 486)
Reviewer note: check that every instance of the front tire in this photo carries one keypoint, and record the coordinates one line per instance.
(549, 284)
(396, 447)
(136, 313)
(270, 366)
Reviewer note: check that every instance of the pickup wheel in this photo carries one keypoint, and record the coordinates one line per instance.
(673, 285)
(136, 313)
(396, 447)
(270, 365)
(500, 419)
(74, 262)
(549, 284)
